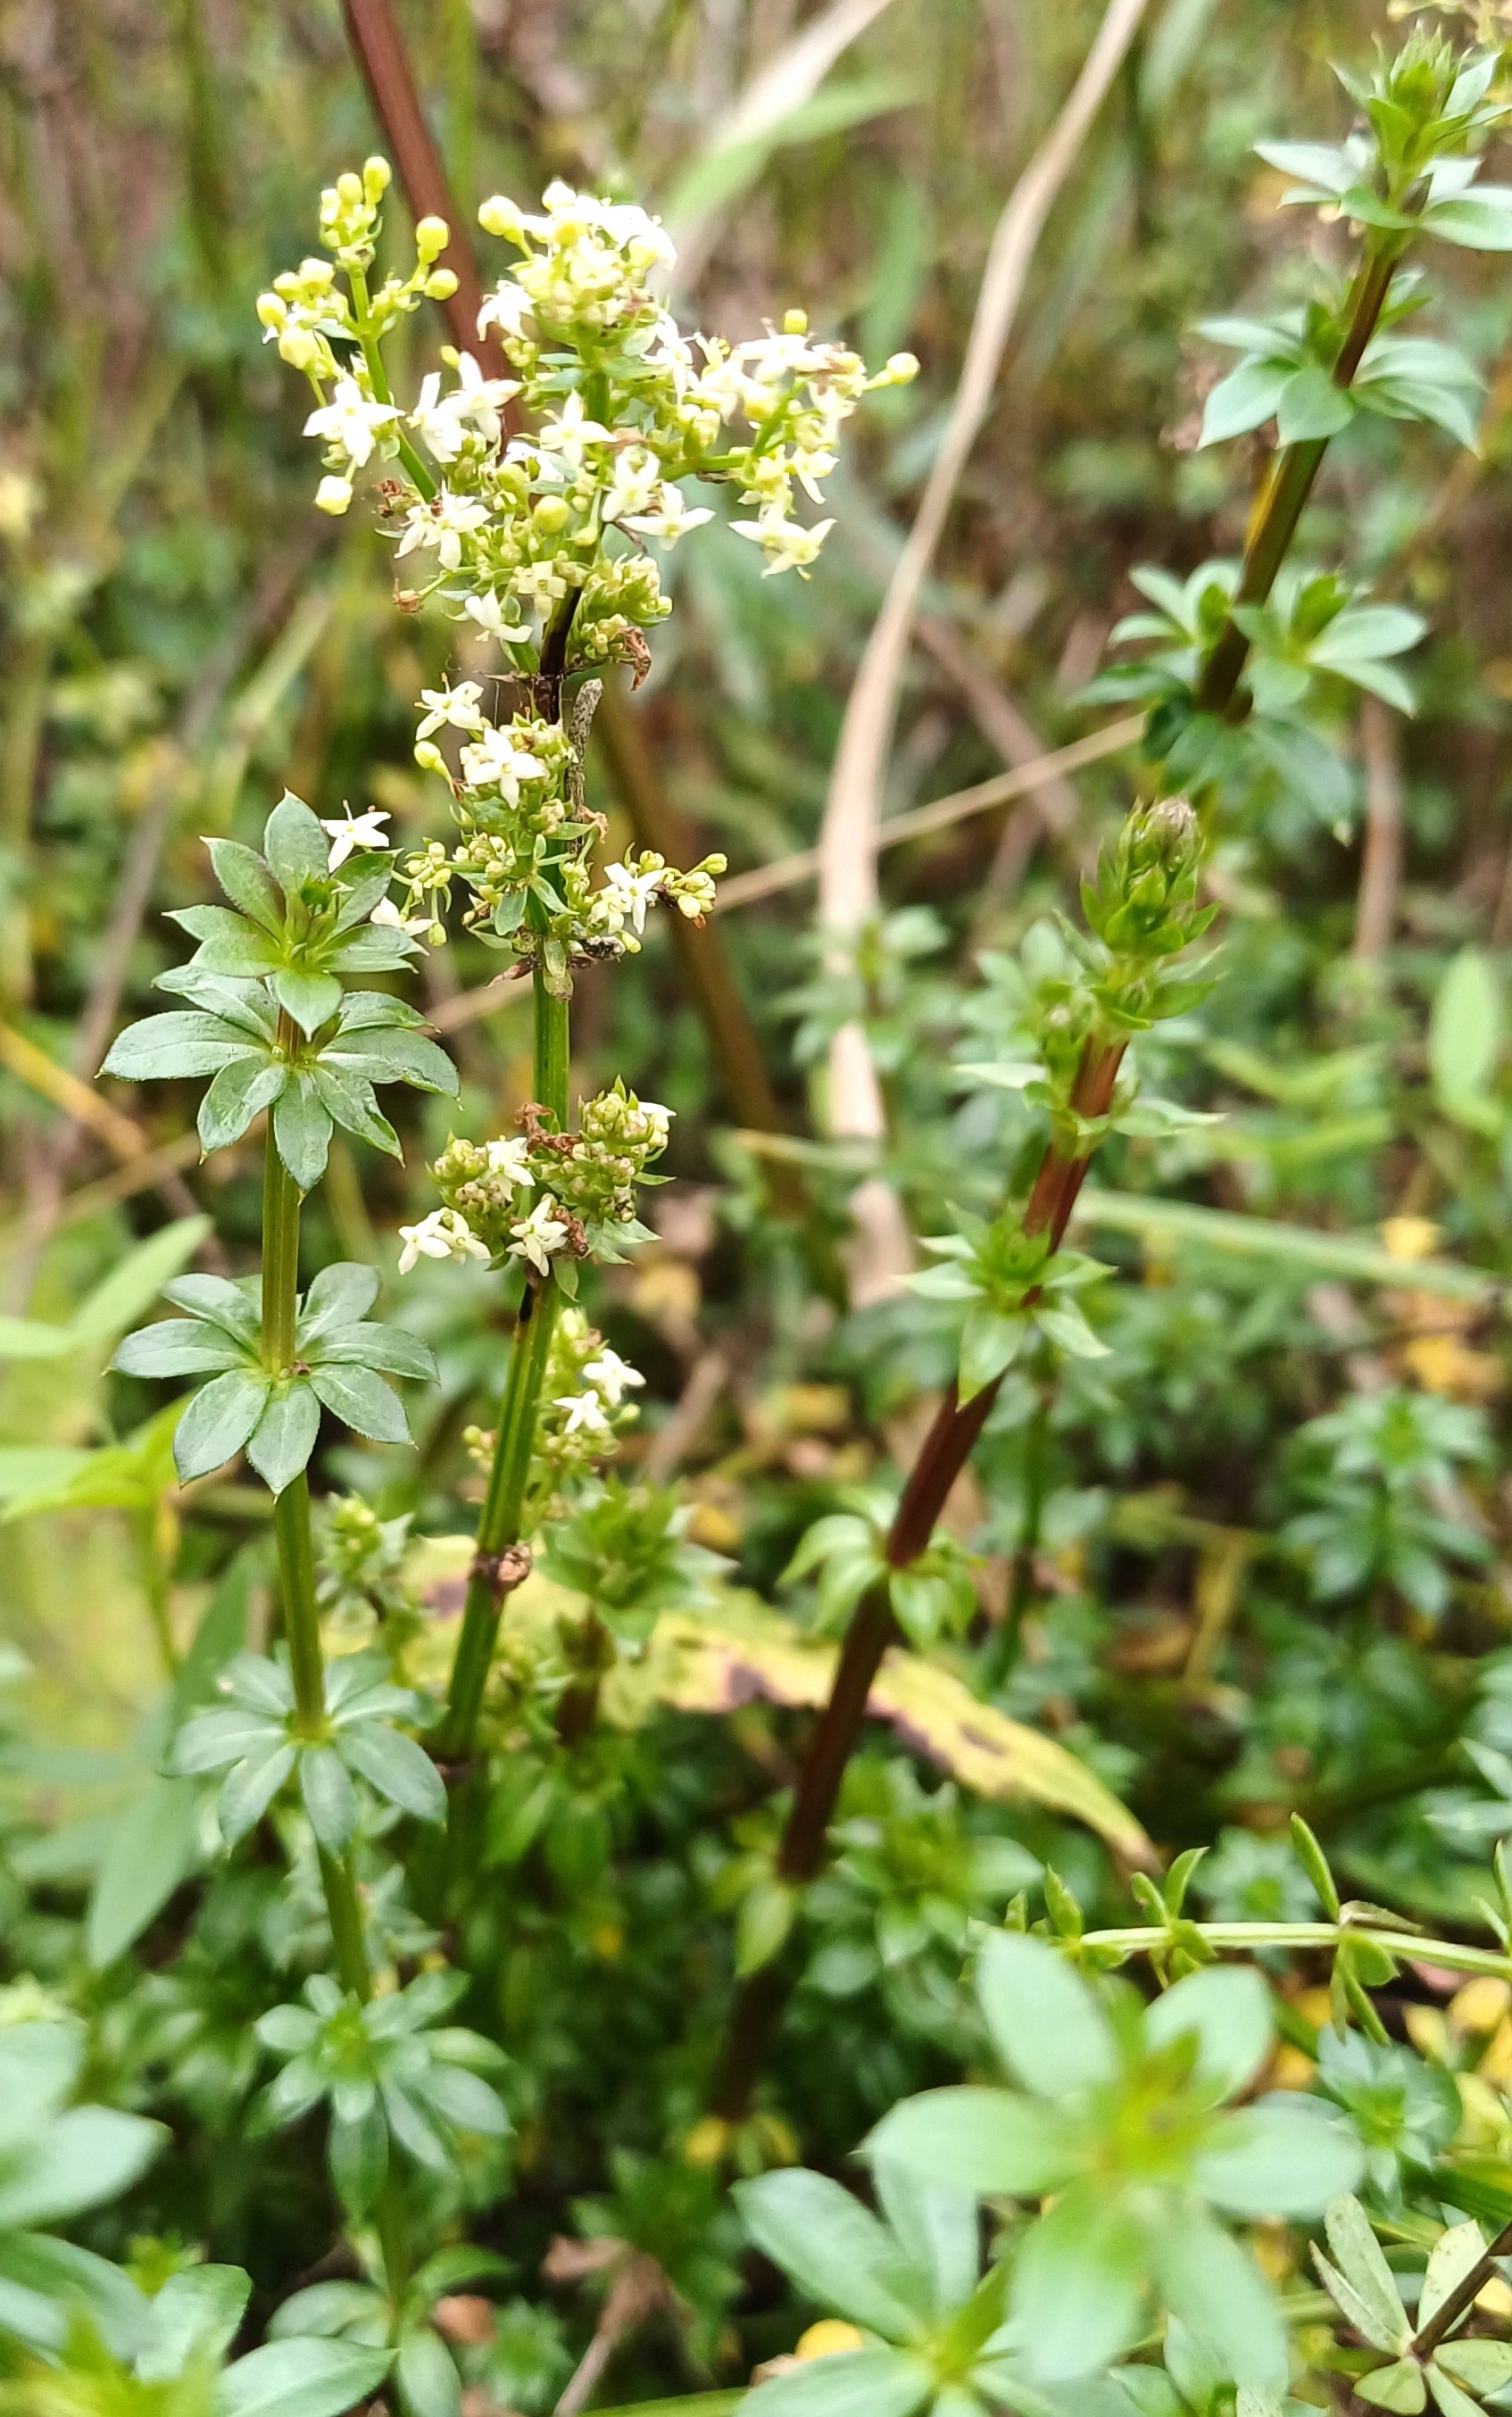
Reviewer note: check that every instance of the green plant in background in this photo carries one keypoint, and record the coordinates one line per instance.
(545, 1778)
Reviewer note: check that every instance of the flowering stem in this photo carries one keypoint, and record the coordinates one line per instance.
(1249, 1937)
(373, 355)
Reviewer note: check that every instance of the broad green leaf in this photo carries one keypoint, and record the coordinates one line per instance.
(284, 1437)
(1465, 1028)
(1480, 222)
(229, 944)
(1280, 2158)
(834, 2249)
(1227, 2009)
(301, 1128)
(181, 1043)
(853, 2383)
(463, 2100)
(218, 1421)
(1453, 2255)
(937, 2228)
(361, 1400)
(329, 1797)
(396, 1767)
(1482, 2366)
(1246, 399)
(1079, 2283)
(300, 2378)
(90, 2154)
(355, 2309)
(311, 999)
(295, 845)
(196, 2313)
(45, 2284)
(251, 1789)
(1065, 1326)
(1046, 2024)
(235, 1307)
(152, 1848)
(1398, 2387)
(990, 1343)
(1311, 405)
(228, 1733)
(764, 1919)
(1218, 2292)
(1447, 2397)
(177, 1347)
(238, 1095)
(991, 2142)
(391, 1055)
(366, 1344)
(341, 1295)
(426, 2375)
(1378, 2312)
(353, 1104)
(247, 882)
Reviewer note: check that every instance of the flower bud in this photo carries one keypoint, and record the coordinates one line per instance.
(441, 284)
(298, 346)
(431, 235)
(376, 178)
(551, 513)
(901, 369)
(498, 215)
(795, 322)
(429, 757)
(349, 189)
(272, 310)
(333, 495)
(1162, 838)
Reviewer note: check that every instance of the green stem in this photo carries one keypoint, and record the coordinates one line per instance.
(379, 376)
(154, 1587)
(503, 1517)
(1003, 1650)
(553, 1051)
(1247, 1937)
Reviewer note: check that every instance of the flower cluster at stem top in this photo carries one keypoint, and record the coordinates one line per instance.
(584, 1408)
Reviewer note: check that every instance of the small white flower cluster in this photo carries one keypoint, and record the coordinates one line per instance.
(538, 1196)
(584, 1404)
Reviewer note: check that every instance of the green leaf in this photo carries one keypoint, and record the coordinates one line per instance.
(834, 2249)
(329, 1797)
(1280, 2158)
(391, 1349)
(1482, 2366)
(1311, 405)
(1246, 399)
(302, 1129)
(300, 2378)
(46, 2284)
(398, 1768)
(238, 1095)
(311, 999)
(426, 2373)
(218, 1421)
(228, 944)
(247, 882)
(143, 1274)
(153, 1848)
(1464, 1038)
(766, 1917)
(990, 2142)
(1453, 2255)
(853, 2383)
(1479, 222)
(90, 2154)
(395, 1057)
(361, 1400)
(351, 1102)
(236, 1308)
(358, 2147)
(1447, 2397)
(251, 1789)
(176, 1346)
(1079, 2283)
(166, 1048)
(295, 845)
(1044, 2022)
(1398, 2387)
(284, 1437)
(1227, 2010)
(937, 2228)
(1368, 2297)
(340, 1295)
(990, 1343)
(1217, 2289)
(196, 2313)
(1065, 1326)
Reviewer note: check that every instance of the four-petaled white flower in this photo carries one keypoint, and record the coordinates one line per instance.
(786, 544)
(349, 832)
(443, 1234)
(631, 893)
(444, 523)
(509, 1162)
(441, 419)
(488, 612)
(505, 308)
(583, 1410)
(386, 914)
(496, 763)
(670, 519)
(539, 1235)
(351, 420)
(450, 709)
(612, 1376)
(570, 431)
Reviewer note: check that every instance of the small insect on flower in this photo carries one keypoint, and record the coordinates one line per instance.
(351, 421)
(538, 1237)
(442, 1234)
(350, 832)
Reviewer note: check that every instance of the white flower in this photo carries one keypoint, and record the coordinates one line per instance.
(637, 477)
(442, 1234)
(441, 420)
(612, 1376)
(631, 893)
(450, 709)
(444, 524)
(786, 544)
(351, 831)
(350, 420)
(488, 612)
(583, 1410)
(670, 519)
(509, 1162)
(570, 431)
(387, 916)
(537, 1235)
(334, 495)
(506, 306)
(496, 763)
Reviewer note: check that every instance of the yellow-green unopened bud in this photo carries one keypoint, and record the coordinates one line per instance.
(498, 215)
(376, 178)
(441, 284)
(551, 514)
(431, 234)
